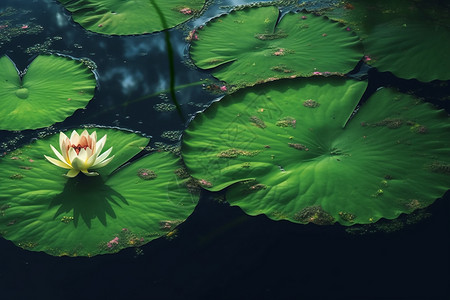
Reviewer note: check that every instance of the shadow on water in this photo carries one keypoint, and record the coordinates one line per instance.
(89, 198)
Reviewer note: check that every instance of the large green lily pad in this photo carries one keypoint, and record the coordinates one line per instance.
(52, 88)
(409, 39)
(289, 150)
(118, 17)
(249, 46)
(41, 210)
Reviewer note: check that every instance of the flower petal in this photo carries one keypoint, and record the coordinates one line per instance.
(84, 133)
(82, 155)
(102, 164)
(91, 158)
(94, 137)
(72, 154)
(62, 138)
(57, 162)
(89, 152)
(78, 164)
(100, 145)
(85, 172)
(59, 156)
(83, 141)
(72, 173)
(92, 140)
(64, 145)
(102, 157)
(74, 138)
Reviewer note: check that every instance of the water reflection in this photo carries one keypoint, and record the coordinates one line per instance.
(129, 82)
(133, 70)
(62, 20)
(144, 45)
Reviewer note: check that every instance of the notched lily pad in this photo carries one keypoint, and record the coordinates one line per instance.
(52, 88)
(322, 163)
(41, 210)
(118, 17)
(248, 46)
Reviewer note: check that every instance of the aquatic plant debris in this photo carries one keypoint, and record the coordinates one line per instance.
(248, 46)
(118, 17)
(15, 23)
(334, 165)
(51, 90)
(86, 216)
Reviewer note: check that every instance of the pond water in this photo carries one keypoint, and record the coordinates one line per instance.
(219, 252)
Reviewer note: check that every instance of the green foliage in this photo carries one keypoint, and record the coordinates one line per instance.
(118, 17)
(408, 38)
(292, 150)
(41, 210)
(410, 50)
(50, 91)
(248, 46)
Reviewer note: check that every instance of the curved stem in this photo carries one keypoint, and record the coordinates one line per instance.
(171, 62)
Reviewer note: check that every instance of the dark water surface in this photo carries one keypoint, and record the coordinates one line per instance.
(220, 252)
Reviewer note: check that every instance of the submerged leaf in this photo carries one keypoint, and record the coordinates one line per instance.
(310, 163)
(249, 46)
(41, 210)
(408, 38)
(414, 50)
(52, 88)
(118, 17)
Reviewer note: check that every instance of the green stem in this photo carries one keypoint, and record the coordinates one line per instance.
(171, 62)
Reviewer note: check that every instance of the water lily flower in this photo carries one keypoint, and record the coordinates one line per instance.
(80, 153)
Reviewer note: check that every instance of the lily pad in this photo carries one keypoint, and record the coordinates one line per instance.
(407, 50)
(41, 210)
(118, 17)
(291, 151)
(409, 39)
(52, 88)
(248, 46)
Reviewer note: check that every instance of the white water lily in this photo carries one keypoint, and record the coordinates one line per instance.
(80, 153)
